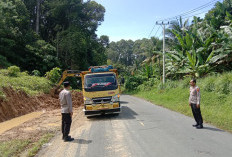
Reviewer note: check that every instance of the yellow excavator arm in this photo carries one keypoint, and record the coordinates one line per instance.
(69, 73)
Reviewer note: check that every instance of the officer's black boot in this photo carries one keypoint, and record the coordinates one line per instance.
(68, 139)
(195, 125)
(63, 137)
(200, 126)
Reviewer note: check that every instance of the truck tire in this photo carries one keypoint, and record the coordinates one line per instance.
(116, 114)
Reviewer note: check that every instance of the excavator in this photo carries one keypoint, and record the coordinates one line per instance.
(67, 73)
(100, 87)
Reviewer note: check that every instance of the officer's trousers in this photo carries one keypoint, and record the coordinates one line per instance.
(66, 124)
(197, 114)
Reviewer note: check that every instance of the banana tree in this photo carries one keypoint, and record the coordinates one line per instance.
(197, 64)
(196, 53)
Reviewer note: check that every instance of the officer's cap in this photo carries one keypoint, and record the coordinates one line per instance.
(66, 84)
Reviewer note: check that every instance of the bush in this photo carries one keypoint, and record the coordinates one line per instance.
(4, 72)
(209, 84)
(185, 82)
(161, 86)
(132, 82)
(13, 71)
(223, 83)
(36, 73)
(3, 62)
(148, 85)
(171, 84)
(54, 75)
(2, 95)
(32, 85)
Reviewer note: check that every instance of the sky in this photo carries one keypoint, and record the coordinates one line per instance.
(134, 19)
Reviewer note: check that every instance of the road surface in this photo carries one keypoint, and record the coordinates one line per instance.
(141, 130)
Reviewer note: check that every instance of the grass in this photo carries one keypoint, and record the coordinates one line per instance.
(32, 85)
(37, 145)
(12, 148)
(216, 98)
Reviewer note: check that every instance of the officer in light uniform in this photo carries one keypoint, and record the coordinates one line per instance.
(194, 102)
(66, 111)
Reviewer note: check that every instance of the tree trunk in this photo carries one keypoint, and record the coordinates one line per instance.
(37, 16)
(57, 45)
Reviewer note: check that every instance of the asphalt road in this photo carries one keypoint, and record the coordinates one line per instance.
(141, 130)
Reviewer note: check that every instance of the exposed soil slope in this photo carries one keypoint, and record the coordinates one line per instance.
(18, 103)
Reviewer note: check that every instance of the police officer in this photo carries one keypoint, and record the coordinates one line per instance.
(194, 102)
(66, 111)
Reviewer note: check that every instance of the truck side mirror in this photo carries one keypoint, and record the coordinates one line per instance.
(122, 80)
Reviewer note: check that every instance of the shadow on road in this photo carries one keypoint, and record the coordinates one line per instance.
(127, 113)
(82, 141)
(123, 102)
(213, 129)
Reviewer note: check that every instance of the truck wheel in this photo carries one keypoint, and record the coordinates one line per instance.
(116, 114)
(88, 117)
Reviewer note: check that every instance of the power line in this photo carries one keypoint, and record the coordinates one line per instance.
(157, 30)
(151, 31)
(205, 11)
(160, 34)
(185, 15)
(192, 11)
(195, 14)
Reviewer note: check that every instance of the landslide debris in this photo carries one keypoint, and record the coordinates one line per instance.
(18, 103)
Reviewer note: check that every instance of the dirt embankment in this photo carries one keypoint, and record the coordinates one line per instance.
(18, 103)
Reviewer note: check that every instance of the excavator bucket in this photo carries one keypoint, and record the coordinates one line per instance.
(54, 92)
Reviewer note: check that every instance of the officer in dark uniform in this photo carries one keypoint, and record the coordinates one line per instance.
(194, 102)
(66, 111)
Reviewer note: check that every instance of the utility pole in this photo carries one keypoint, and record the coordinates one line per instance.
(163, 25)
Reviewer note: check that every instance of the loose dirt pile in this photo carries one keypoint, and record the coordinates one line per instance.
(18, 103)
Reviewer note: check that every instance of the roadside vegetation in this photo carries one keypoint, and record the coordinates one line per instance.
(30, 84)
(29, 148)
(13, 148)
(37, 145)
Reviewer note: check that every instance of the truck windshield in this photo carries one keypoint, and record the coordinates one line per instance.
(100, 82)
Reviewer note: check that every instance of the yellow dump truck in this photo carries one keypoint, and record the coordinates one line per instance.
(101, 89)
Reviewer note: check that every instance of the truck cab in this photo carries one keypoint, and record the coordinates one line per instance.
(101, 91)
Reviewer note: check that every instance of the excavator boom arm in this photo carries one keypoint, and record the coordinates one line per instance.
(69, 73)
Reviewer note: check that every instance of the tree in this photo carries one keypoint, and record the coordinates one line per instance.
(104, 40)
(44, 34)
(37, 15)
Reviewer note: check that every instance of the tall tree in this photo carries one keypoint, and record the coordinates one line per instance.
(37, 16)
